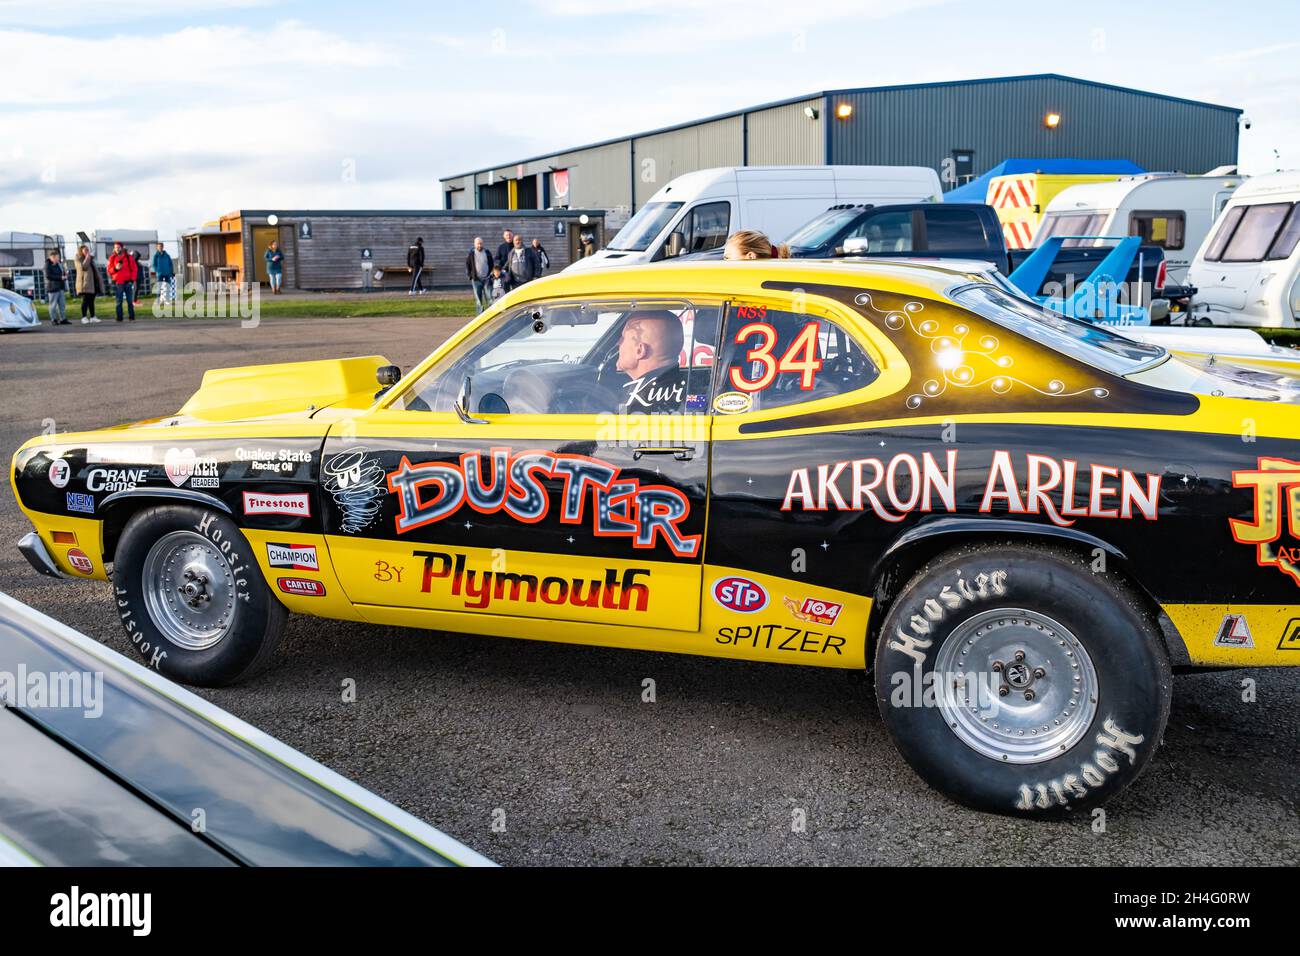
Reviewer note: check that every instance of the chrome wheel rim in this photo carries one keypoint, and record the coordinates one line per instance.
(189, 590)
(1016, 686)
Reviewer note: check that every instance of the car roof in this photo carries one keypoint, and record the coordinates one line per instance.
(929, 278)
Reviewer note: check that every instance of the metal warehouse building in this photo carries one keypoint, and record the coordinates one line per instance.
(961, 129)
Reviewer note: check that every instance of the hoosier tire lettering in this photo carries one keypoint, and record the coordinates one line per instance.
(1055, 643)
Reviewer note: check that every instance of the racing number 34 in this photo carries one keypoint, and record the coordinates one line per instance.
(800, 357)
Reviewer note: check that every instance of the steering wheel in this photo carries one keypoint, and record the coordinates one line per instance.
(591, 399)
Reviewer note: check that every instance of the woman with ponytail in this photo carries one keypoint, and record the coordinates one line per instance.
(751, 244)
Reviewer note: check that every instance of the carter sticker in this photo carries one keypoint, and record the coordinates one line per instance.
(1234, 632)
(301, 587)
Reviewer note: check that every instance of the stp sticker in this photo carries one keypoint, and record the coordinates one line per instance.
(80, 561)
(258, 503)
(299, 557)
(301, 587)
(1234, 632)
(740, 594)
(60, 472)
(813, 610)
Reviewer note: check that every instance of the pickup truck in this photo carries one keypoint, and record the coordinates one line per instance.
(966, 231)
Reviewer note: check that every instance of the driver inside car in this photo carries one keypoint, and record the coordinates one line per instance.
(648, 352)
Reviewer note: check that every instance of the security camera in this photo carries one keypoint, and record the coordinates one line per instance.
(1245, 122)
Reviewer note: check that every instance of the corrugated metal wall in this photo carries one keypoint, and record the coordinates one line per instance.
(599, 178)
(1005, 120)
(909, 127)
(664, 156)
(785, 136)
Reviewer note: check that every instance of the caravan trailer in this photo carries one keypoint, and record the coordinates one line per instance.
(1247, 272)
(697, 211)
(1169, 210)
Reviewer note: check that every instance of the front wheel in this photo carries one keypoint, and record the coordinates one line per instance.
(191, 596)
(1015, 679)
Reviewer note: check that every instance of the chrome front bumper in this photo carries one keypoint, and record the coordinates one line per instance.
(33, 549)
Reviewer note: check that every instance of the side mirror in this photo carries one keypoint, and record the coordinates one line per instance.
(675, 245)
(857, 246)
(462, 405)
(387, 376)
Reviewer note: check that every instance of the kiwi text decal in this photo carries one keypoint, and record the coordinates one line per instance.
(1276, 485)
(514, 482)
(1061, 490)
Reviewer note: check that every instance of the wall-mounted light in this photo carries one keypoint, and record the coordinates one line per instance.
(273, 220)
(810, 112)
(843, 111)
(1052, 120)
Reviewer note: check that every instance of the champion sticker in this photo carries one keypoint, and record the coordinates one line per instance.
(299, 557)
(258, 503)
(1234, 632)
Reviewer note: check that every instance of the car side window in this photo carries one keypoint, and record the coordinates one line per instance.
(592, 357)
(771, 358)
(886, 233)
(954, 229)
(707, 226)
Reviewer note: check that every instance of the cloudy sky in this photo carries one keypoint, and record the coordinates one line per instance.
(166, 113)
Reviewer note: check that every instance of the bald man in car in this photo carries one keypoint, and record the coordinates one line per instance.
(648, 354)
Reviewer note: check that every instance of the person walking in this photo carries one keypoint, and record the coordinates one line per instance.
(164, 271)
(543, 260)
(88, 283)
(503, 250)
(56, 285)
(415, 262)
(123, 272)
(274, 266)
(478, 264)
(522, 264)
(498, 283)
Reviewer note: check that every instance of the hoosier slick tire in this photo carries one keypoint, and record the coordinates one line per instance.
(1016, 680)
(192, 598)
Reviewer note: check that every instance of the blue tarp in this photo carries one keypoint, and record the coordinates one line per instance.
(978, 188)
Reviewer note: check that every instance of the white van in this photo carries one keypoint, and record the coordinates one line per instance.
(1169, 210)
(697, 211)
(1248, 271)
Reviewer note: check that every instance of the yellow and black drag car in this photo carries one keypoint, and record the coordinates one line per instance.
(1020, 522)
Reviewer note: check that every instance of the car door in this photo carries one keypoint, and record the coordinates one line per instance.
(785, 576)
(564, 488)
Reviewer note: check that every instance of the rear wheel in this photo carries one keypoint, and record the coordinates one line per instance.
(192, 598)
(1014, 679)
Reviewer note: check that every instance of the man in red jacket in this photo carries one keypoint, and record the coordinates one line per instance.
(123, 273)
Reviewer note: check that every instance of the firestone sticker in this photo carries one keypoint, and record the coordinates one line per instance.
(294, 505)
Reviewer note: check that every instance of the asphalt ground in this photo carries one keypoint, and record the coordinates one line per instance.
(538, 753)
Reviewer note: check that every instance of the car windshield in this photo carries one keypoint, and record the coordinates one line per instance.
(1069, 224)
(822, 229)
(1082, 341)
(642, 228)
